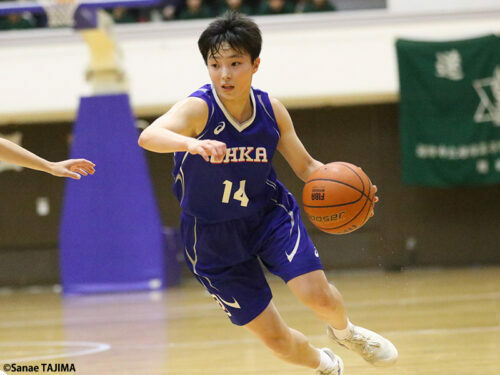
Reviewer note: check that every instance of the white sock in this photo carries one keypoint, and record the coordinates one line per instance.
(345, 333)
(325, 362)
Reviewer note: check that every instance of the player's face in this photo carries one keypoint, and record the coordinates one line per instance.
(231, 73)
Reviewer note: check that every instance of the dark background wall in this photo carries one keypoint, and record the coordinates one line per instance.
(413, 226)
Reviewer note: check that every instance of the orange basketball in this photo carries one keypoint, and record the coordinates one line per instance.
(338, 198)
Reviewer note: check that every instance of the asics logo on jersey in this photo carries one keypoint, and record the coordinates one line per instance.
(219, 127)
(242, 155)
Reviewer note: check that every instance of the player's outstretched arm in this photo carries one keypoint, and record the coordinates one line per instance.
(290, 145)
(73, 168)
(176, 131)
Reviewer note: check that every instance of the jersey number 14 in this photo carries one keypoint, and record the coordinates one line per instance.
(238, 195)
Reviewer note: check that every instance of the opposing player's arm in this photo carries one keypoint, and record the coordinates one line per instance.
(176, 131)
(73, 168)
(290, 145)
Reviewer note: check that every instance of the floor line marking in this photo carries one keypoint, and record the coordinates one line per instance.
(170, 312)
(191, 344)
(94, 347)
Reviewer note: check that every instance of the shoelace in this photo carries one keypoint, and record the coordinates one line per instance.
(365, 343)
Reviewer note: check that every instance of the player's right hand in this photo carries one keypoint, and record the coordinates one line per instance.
(207, 148)
(72, 168)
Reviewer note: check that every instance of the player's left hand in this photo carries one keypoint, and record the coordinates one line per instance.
(375, 200)
(72, 168)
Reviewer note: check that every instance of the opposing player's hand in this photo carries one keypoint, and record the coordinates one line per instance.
(207, 148)
(375, 200)
(72, 168)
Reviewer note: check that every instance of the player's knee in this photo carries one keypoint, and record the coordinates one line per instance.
(320, 299)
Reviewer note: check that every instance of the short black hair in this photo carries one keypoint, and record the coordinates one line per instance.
(240, 32)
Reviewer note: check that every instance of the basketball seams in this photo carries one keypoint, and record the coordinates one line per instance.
(343, 184)
(356, 173)
(337, 181)
(334, 205)
(371, 205)
(354, 217)
(358, 213)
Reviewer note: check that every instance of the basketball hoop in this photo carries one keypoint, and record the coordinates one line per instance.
(60, 13)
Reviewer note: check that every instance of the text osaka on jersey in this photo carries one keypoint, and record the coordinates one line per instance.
(242, 154)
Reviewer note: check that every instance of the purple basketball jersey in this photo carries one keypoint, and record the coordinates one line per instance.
(244, 181)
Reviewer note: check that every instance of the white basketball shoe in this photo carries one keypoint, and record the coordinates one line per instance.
(338, 367)
(374, 348)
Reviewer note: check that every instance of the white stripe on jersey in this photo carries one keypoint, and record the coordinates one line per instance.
(264, 108)
(195, 260)
(292, 222)
(271, 183)
(238, 126)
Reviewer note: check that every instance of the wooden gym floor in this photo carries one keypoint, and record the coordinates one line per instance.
(444, 322)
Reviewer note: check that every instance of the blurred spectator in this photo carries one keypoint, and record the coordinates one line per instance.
(123, 15)
(299, 6)
(195, 9)
(318, 6)
(143, 14)
(168, 10)
(177, 9)
(236, 5)
(275, 7)
(16, 22)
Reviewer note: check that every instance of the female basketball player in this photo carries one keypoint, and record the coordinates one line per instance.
(73, 168)
(235, 211)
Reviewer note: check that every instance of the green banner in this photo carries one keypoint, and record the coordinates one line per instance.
(450, 111)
